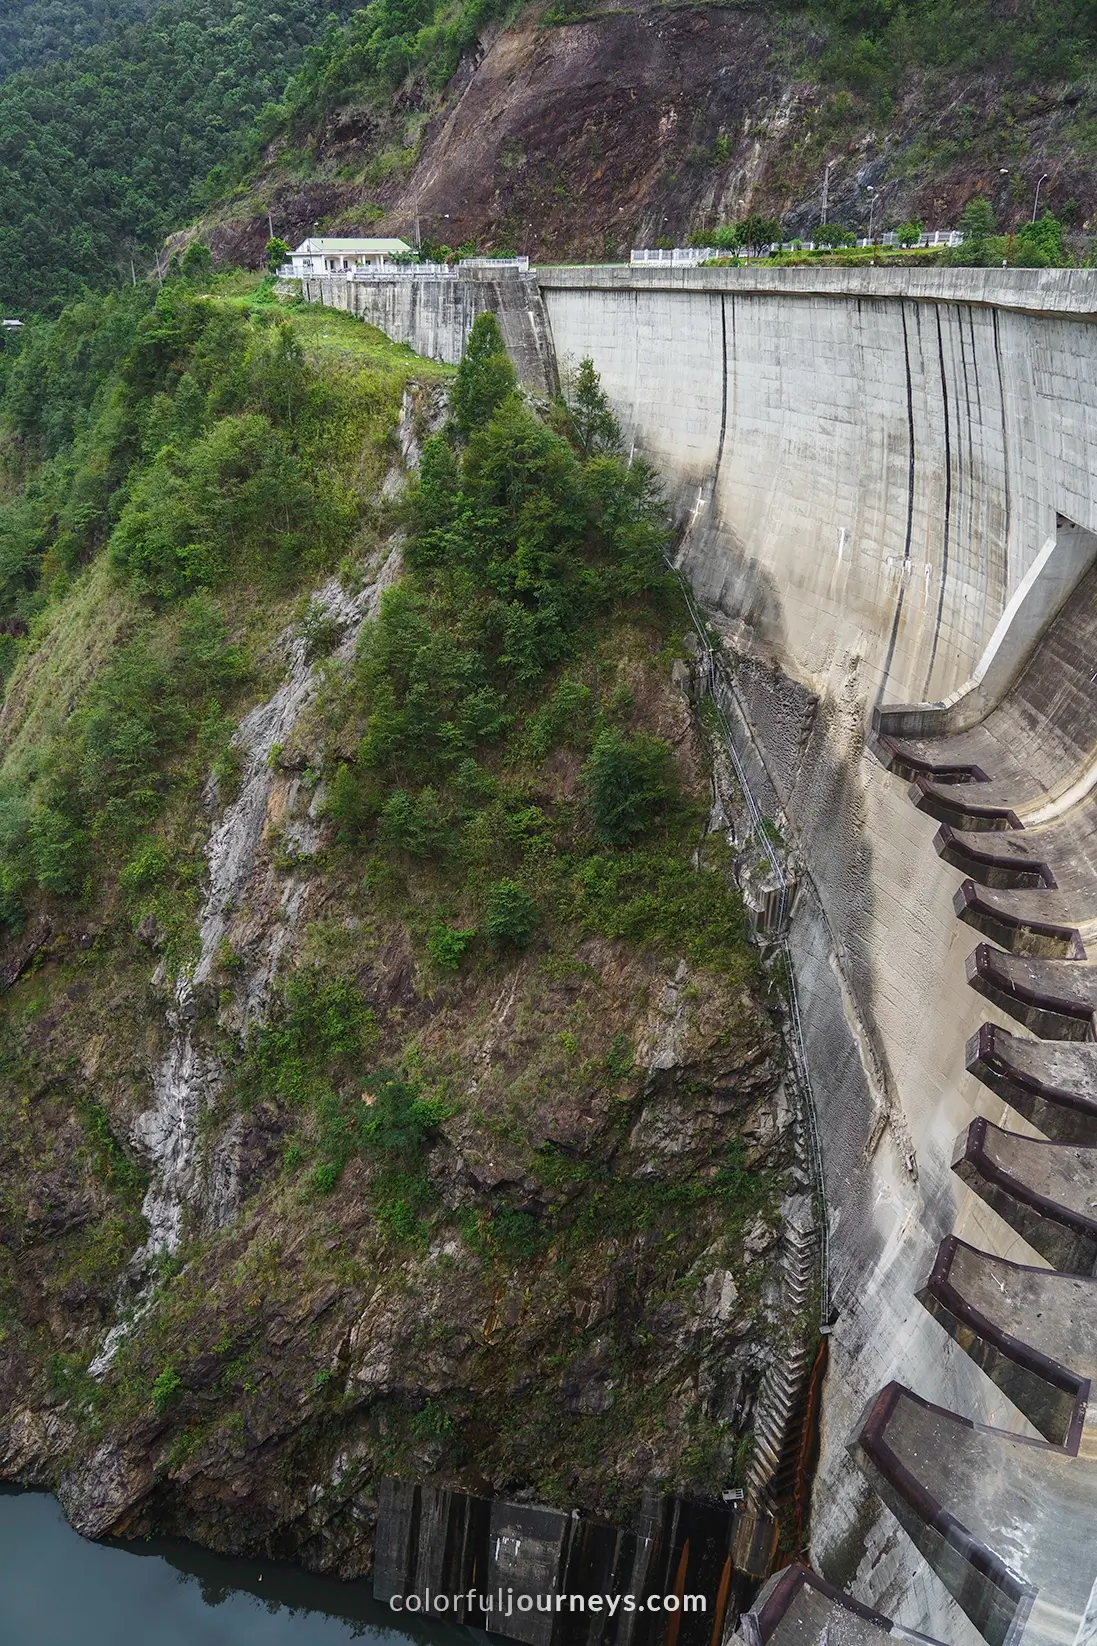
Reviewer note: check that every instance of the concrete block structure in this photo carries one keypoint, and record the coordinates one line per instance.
(885, 482)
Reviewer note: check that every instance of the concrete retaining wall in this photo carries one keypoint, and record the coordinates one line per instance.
(869, 462)
(435, 316)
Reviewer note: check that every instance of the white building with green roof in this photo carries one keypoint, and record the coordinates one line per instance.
(326, 256)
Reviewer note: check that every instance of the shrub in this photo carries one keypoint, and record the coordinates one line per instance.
(833, 234)
(325, 1177)
(649, 897)
(620, 1060)
(909, 234)
(510, 914)
(630, 780)
(278, 251)
(235, 500)
(59, 852)
(565, 718)
(399, 1120)
(446, 946)
(146, 869)
(197, 263)
(415, 824)
(320, 628)
(1039, 245)
(166, 1390)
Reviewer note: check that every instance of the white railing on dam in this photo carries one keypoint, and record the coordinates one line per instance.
(375, 273)
(521, 264)
(404, 271)
(687, 257)
(678, 257)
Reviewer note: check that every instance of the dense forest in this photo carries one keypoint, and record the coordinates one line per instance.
(100, 153)
(37, 31)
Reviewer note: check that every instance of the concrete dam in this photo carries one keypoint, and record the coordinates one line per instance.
(886, 485)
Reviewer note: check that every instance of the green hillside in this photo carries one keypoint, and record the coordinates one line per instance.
(39, 31)
(100, 154)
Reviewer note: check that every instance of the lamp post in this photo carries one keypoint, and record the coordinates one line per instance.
(1036, 202)
(444, 215)
(1003, 171)
(826, 191)
(871, 213)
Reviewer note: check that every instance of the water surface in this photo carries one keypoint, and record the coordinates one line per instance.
(56, 1589)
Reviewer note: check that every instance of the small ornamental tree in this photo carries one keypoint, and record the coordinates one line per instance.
(832, 234)
(977, 219)
(909, 234)
(760, 231)
(979, 225)
(277, 253)
(484, 378)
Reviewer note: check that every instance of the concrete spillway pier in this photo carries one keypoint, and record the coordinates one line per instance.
(886, 484)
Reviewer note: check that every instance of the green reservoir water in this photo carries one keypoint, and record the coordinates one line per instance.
(56, 1589)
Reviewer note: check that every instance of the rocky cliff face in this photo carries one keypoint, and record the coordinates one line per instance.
(579, 139)
(196, 1336)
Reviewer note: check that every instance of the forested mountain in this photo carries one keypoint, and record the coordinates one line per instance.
(100, 153)
(37, 31)
(577, 130)
(570, 132)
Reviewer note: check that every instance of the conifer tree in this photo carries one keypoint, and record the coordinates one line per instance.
(484, 378)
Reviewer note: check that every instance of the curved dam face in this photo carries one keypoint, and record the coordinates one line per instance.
(887, 483)
(870, 463)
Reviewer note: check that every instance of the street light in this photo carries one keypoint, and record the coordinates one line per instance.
(1039, 186)
(826, 190)
(444, 215)
(871, 212)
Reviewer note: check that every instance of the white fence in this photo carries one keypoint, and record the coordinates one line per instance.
(680, 257)
(388, 272)
(374, 273)
(521, 264)
(687, 257)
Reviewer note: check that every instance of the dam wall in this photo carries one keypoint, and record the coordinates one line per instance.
(434, 317)
(868, 465)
